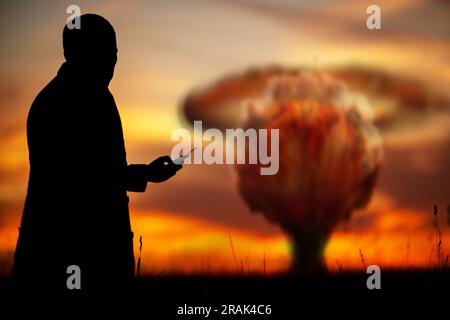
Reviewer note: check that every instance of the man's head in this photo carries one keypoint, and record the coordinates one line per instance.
(92, 48)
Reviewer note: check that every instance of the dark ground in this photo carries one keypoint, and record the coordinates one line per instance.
(289, 297)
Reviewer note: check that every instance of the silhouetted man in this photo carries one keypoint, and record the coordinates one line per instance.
(76, 209)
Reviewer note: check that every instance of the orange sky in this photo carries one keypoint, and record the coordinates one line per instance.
(167, 48)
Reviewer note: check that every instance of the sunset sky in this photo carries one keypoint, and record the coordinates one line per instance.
(168, 48)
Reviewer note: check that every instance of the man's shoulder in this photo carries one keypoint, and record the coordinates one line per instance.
(51, 92)
(50, 102)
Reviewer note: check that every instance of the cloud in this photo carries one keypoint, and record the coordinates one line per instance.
(412, 186)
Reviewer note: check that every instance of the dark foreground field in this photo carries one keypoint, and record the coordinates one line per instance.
(162, 297)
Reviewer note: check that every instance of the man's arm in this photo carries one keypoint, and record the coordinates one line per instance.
(135, 179)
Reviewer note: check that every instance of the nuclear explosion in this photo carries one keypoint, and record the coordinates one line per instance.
(330, 153)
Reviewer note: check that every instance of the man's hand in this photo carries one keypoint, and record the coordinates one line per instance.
(162, 169)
